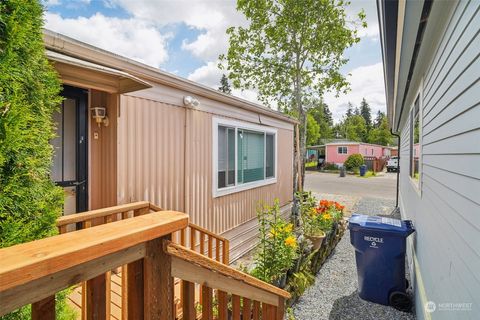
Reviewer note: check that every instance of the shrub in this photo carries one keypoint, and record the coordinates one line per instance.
(29, 94)
(330, 166)
(353, 161)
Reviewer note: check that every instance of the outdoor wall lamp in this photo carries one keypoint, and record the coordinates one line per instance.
(100, 115)
(190, 102)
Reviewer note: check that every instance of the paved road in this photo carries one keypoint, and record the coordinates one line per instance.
(376, 187)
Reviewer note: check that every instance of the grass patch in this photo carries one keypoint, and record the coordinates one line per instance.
(311, 164)
(368, 174)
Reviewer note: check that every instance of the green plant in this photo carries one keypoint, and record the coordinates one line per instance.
(29, 94)
(277, 248)
(290, 315)
(330, 166)
(354, 161)
(302, 280)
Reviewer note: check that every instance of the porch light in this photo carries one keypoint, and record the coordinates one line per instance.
(100, 115)
(190, 102)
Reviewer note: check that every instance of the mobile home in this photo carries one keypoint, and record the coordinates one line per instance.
(129, 132)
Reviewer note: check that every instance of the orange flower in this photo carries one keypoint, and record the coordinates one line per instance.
(324, 203)
(291, 242)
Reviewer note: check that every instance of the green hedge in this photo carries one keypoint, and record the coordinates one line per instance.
(29, 94)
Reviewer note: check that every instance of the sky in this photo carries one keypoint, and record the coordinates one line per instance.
(185, 37)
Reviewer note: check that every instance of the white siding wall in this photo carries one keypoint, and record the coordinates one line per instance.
(446, 208)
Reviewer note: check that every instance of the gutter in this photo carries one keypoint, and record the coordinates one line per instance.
(69, 46)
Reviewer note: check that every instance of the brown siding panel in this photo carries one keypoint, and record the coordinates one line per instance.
(152, 150)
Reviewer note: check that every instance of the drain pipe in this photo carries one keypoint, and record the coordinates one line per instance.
(398, 165)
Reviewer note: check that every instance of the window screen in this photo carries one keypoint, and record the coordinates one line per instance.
(226, 157)
(269, 155)
(415, 139)
(251, 148)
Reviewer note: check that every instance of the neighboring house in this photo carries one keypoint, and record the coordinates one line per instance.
(338, 152)
(432, 67)
(170, 141)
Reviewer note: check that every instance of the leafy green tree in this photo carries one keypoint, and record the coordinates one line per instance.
(313, 130)
(366, 113)
(29, 93)
(322, 115)
(225, 85)
(381, 135)
(355, 128)
(291, 52)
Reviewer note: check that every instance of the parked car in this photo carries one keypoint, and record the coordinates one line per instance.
(392, 164)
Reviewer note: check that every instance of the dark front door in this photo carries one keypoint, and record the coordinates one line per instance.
(70, 149)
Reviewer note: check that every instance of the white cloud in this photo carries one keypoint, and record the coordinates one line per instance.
(210, 76)
(365, 82)
(211, 17)
(132, 38)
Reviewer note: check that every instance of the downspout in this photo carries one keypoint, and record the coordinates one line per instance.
(398, 166)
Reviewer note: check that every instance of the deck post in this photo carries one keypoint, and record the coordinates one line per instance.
(158, 281)
(44, 309)
(96, 302)
(134, 290)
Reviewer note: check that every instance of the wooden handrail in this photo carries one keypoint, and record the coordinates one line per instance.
(33, 271)
(183, 254)
(99, 213)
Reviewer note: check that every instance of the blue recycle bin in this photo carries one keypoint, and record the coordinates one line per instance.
(380, 246)
(363, 170)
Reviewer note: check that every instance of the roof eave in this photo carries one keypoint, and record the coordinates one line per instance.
(63, 44)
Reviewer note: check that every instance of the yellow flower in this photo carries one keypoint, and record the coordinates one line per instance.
(327, 216)
(273, 232)
(291, 242)
(289, 228)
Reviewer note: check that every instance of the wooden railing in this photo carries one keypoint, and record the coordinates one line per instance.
(34, 272)
(192, 236)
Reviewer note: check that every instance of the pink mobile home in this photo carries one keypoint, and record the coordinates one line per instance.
(338, 152)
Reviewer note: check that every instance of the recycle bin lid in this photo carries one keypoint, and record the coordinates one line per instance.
(361, 221)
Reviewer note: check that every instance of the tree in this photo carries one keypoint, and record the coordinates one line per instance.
(291, 52)
(313, 130)
(355, 128)
(381, 135)
(322, 115)
(224, 85)
(356, 112)
(365, 112)
(379, 118)
(349, 111)
(29, 93)
(327, 114)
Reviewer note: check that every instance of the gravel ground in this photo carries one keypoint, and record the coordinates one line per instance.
(334, 294)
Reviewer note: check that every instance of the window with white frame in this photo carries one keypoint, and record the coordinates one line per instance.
(342, 150)
(415, 139)
(244, 157)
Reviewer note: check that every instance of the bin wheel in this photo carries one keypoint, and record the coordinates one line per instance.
(400, 301)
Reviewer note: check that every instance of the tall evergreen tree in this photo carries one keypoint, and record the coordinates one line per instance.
(327, 114)
(356, 111)
(29, 94)
(379, 118)
(349, 111)
(225, 85)
(366, 113)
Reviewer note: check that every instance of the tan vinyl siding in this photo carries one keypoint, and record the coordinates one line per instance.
(151, 165)
(447, 212)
